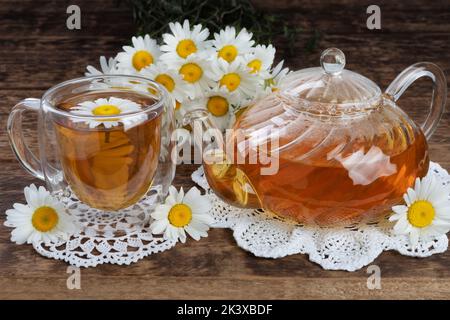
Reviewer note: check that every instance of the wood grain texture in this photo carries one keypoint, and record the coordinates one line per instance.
(37, 51)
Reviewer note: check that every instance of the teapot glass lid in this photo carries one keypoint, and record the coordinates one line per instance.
(332, 84)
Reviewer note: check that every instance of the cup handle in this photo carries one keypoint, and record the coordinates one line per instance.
(411, 74)
(15, 133)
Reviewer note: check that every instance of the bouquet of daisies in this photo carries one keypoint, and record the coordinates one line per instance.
(221, 75)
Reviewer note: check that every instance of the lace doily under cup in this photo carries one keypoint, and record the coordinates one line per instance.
(332, 248)
(117, 237)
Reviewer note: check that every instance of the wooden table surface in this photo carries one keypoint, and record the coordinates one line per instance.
(37, 51)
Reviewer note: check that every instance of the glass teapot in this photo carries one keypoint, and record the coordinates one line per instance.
(340, 150)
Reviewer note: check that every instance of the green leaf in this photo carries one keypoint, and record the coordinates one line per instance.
(153, 17)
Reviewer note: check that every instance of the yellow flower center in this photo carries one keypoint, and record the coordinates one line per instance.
(180, 215)
(44, 219)
(191, 72)
(255, 65)
(166, 81)
(231, 81)
(217, 106)
(186, 47)
(141, 59)
(177, 105)
(228, 53)
(106, 110)
(421, 214)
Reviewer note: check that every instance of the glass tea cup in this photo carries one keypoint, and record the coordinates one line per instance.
(103, 140)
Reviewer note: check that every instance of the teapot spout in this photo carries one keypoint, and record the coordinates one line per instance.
(205, 133)
(198, 117)
(224, 176)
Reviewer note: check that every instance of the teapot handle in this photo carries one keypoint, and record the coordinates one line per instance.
(411, 74)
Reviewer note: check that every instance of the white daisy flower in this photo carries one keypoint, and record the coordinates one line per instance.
(196, 73)
(427, 210)
(43, 218)
(260, 60)
(182, 213)
(106, 66)
(144, 52)
(219, 104)
(229, 46)
(109, 107)
(235, 77)
(169, 78)
(277, 76)
(183, 41)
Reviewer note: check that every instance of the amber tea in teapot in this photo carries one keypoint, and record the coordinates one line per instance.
(346, 152)
(331, 176)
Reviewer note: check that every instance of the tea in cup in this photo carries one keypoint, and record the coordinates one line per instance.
(102, 138)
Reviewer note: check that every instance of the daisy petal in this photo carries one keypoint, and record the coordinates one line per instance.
(159, 226)
(193, 233)
(414, 237)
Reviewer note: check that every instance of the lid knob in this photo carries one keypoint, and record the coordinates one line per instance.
(332, 61)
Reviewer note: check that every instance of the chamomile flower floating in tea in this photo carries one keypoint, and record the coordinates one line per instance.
(196, 73)
(43, 218)
(235, 77)
(144, 52)
(169, 78)
(182, 213)
(107, 67)
(229, 45)
(183, 41)
(260, 60)
(427, 210)
(108, 107)
(219, 104)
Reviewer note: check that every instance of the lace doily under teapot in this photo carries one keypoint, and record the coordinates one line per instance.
(332, 248)
(116, 238)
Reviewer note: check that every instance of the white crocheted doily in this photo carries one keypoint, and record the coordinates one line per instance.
(332, 248)
(118, 237)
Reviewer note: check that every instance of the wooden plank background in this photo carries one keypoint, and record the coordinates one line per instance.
(37, 51)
